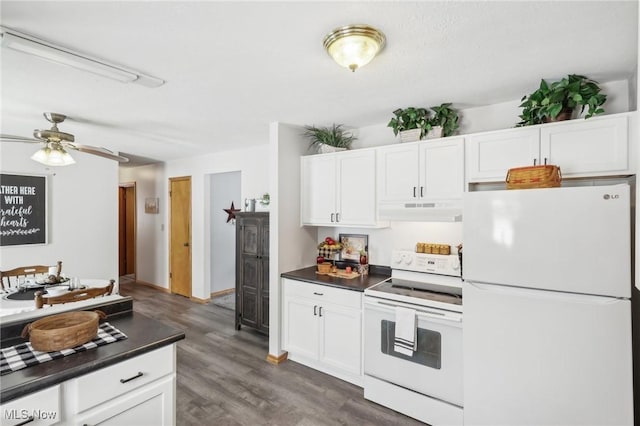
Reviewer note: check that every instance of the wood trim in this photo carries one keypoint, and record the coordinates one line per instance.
(155, 286)
(275, 360)
(222, 292)
(198, 300)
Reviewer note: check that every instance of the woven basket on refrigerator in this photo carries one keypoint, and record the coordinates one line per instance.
(545, 176)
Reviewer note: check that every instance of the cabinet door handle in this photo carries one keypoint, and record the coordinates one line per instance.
(315, 310)
(422, 191)
(318, 294)
(332, 216)
(535, 160)
(320, 311)
(29, 420)
(545, 161)
(140, 374)
(337, 217)
(414, 192)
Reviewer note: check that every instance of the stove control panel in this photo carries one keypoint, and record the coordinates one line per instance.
(408, 260)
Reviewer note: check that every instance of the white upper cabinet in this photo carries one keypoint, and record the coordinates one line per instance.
(431, 170)
(490, 155)
(598, 146)
(587, 147)
(398, 172)
(318, 189)
(442, 169)
(339, 189)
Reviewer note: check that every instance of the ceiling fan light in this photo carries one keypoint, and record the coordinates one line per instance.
(56, 156)
(354, 46)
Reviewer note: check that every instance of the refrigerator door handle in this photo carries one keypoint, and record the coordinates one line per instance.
(589, 299)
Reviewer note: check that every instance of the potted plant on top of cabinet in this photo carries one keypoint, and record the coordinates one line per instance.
(412, 123)
(444, 121)
(329, 139)
(558, 100)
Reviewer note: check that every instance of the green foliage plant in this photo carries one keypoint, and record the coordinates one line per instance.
(410, 118)
(446, 117)
(549, 100)
(334, 136)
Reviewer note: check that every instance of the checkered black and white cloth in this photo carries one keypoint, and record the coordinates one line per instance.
(23, 355)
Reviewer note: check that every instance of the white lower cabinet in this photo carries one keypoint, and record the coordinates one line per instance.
(149, 405)
(322, 328)
(138, 391)
(141, 388)
(40, 408)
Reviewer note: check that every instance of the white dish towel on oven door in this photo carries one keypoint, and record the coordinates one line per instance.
(405, 338)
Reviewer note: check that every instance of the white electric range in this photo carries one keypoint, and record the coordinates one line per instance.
(426, 385)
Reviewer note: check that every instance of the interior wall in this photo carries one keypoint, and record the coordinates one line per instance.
(290, 245)
(150, 227)
(224, 189)
(252, 163)
(497, 116)
(399, 235)
(82, 217)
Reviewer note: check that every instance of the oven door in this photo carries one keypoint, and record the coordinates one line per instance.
(434, 369)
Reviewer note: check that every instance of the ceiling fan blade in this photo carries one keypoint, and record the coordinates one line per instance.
(13, 138)
(102, 152)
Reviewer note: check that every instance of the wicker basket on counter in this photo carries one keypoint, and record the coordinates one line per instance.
(545, 176)
(63, 331)
(324, 268)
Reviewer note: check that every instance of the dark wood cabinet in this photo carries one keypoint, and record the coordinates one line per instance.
(252, 271)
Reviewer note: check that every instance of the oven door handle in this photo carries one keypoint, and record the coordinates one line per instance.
(444, 316)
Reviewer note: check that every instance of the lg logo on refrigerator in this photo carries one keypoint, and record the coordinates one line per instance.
(611, 196)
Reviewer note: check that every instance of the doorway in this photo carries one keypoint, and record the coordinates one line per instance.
(127, 230)
(180, 236)
(225, 188)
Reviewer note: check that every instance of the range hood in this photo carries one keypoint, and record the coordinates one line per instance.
(422, 211)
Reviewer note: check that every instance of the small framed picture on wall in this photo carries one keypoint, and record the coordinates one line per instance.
(151, 205)
(352, 245)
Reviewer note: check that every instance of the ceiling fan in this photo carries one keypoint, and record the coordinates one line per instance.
(55, 143)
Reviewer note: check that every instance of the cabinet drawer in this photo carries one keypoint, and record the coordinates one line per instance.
(151, 405)
(322, 293)
(94, 388)
(43, 407)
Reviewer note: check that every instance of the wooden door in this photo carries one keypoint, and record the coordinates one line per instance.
(127, 229)
(180, 237)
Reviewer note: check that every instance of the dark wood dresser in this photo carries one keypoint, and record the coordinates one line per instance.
(252, 270)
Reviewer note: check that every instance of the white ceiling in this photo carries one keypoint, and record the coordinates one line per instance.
(233, 67)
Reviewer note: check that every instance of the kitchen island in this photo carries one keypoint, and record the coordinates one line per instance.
(134, 376)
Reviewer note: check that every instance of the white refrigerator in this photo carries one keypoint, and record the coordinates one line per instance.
(547, 311)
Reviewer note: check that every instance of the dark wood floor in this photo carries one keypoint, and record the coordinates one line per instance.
(223, 378)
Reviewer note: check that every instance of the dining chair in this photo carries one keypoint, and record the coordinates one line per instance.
(74, 295)
(12, 277)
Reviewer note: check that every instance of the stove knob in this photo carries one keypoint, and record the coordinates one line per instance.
(408, 259)
(397, 258)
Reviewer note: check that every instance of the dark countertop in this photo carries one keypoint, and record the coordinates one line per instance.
(143, 335)
(376, 275)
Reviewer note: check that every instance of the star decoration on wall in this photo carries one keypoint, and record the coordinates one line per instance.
(231, 211)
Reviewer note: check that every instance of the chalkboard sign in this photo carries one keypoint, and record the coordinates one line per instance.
(23, 210)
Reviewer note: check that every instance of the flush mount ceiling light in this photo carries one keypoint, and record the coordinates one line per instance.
(354, 46)
(43, 49)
